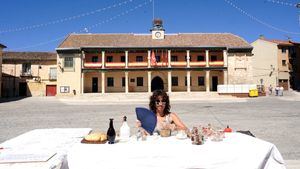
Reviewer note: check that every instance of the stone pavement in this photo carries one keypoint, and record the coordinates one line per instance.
(271, 118)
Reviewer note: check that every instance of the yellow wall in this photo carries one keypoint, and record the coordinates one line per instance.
(69, 77)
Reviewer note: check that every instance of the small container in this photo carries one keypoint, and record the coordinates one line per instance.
(165, 132)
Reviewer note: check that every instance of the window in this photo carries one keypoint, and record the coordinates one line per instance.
(109, 59)
(157, 58)
(123, 59)
(201, 81)
(68, 62)
(283, 62)
(213, 58)
(139, 81)
(26, 68)
(139, 58)
(123, 81)
(174, 58)
(174, 81)
(200, 58)
(110, 81)
(283, 50)
(186, 81)
(53, 73)
(95, 59)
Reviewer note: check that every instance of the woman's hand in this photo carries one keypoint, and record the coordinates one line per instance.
(138, 124)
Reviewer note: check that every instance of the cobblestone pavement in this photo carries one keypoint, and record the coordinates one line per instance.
(274, 119)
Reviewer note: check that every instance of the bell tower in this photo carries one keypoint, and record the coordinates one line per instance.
(158, 32)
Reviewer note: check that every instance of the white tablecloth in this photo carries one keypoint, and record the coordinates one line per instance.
(236, 151)
(42, 141)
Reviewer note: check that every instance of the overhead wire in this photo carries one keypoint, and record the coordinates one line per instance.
(61, 20)
(281, 3)
(258, 20)
(88, 27)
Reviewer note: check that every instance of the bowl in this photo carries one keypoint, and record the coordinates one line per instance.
(165, 133)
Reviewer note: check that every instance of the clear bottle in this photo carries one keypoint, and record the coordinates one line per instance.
(111, 133)
(124, 130)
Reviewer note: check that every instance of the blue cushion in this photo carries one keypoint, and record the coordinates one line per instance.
(147, 118)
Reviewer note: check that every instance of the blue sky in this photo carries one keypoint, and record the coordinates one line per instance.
(31, 25)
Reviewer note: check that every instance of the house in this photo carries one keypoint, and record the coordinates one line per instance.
(125, 63)
(29, 74)
(276, 63)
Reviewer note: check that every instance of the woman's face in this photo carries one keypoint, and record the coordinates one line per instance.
(160, 104)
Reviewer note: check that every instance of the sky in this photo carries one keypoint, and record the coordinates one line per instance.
(41, 25)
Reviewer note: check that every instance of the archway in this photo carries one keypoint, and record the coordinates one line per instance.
(157, 83)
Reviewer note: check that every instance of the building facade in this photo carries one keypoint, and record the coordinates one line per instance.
(276, 63)
(1, 50)
(29, 74)
(125, 63)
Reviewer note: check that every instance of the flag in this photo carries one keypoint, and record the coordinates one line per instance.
(166, 58)
(153, 59)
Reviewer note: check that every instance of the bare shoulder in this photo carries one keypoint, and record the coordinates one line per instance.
(172, 114)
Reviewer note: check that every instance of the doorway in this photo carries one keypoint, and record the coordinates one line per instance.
(95, 85)
(157, 83)
(22, 89)
(214, 83)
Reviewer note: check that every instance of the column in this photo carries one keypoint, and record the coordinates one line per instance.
(187, 58)
(102, 82)
(207, 82)
(169, 58)
(103, 59)
(149, 82)
(169, 82)
(126, 82)
(82, 74)
(225, 77)
(149, 58)
(126, 59)
(188, 79)
(225, 58)
(207, 58)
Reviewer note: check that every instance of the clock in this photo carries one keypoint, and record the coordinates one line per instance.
(157, 34)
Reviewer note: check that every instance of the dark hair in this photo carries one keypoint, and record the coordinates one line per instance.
(165, 97)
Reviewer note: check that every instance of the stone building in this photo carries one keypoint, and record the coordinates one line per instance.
(29, 74)
(276, 62)
(105, 63)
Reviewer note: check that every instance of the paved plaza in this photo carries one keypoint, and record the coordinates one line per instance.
(271, 118)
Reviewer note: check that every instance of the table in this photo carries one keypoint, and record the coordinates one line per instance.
(39, 143)
(236, 151)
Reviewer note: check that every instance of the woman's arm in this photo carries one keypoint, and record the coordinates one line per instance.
(179, 124)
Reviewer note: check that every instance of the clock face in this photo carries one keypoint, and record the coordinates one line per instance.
(157, 34)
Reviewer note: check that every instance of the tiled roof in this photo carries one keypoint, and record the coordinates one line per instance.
(29, 56)
(280, 42)
(145, 41)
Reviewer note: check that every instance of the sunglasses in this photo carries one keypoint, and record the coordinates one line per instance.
(157, 102)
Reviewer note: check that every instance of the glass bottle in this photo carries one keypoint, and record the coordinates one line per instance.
(124, 130)
(111, 133)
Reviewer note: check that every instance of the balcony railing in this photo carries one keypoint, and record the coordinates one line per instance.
(138, 64)
(115, 64)
(26, 73)
(200, 63)
(52, 77)
(92, 64)
(178, 63)
(216, 63)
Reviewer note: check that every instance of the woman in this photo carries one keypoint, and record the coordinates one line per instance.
(160, 105)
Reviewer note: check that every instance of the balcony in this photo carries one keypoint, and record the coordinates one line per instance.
(115, 65)
(178, 64)
(137, 64)
(198, 64)
(52, 77)
(216, 63)
(92, 64)
(26, 73)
